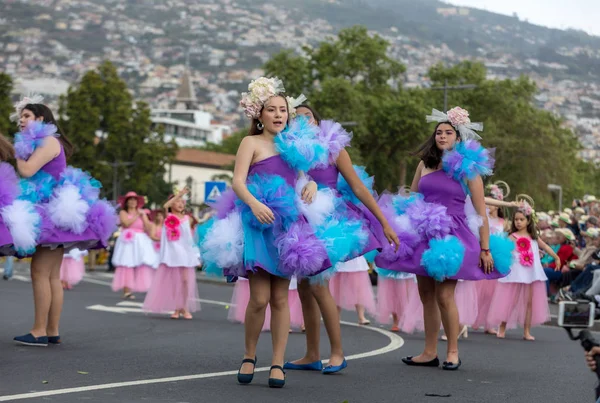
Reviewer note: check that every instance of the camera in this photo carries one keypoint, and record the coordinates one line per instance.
(580, 315)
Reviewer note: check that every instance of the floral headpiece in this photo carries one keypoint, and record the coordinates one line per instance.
(459, 119)
(496, 192)
(293, 103)
(19, 106)
(526, 208)
(259, 92)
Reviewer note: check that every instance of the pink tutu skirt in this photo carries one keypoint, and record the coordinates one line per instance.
(296, 317)
(143, 278)
(465, 296)
(353, 288)
(393, 296)
(71, 270)
(509, 304)
(124, 278)
(173, 288)
(485, 293)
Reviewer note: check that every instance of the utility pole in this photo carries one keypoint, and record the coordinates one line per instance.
(447, 88)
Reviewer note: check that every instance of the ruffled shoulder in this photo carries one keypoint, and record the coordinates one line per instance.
(468, 160)
(346, 191)
(299, 145)
(335, 138)
(31, 137)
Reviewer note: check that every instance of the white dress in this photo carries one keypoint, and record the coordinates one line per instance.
(526, 274)
(182, 252)
(134, 248)
(354, 265)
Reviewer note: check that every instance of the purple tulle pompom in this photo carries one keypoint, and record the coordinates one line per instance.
(102, 219)
(335, 138)
(9, 184)
(300, 252)
(408, 241)
(467, 160)
(225, 204)
(430, 220)
(31, 137)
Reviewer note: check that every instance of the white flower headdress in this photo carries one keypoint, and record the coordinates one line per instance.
(293, 103)
(19, 106)
(259, 92)
(459, 119)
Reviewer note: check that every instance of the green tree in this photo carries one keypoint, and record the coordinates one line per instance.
(6, 107)
(113, 135)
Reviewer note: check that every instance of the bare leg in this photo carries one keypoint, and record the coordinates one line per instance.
(312, 323)
(501, 331)
(280, 322)
(527, 327)
(42, 264)
(57, 294)
(331, 319)
(395, 321)
(449, 313)
(260, 293)
(360, 310)
(431, 317)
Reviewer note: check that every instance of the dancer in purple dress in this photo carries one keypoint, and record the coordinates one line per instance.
(9, 190)
(58, 209)
(342, 187)
(437, 243)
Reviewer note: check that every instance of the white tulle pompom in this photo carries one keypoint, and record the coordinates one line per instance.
(322, 206)
(23, 222)
(474, 220)
(67, 210)
(224, 242)
(403, 223)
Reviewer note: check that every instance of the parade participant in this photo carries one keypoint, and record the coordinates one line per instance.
(158, 220)
(361, 228)
(520, 298)
(72, 268)
(174, 287)
(135, 257)
(64, 207)
(351, 288)
(9, 189)
(436, 242)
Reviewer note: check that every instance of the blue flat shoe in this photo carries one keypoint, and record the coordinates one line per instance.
(330, 369)
(245, 379)
(54, 340)
(30, 340)
(313, 366)
(274, 382)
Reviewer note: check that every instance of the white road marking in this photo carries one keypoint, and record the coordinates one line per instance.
(395, 343)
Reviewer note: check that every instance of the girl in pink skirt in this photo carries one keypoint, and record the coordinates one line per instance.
(72, 268)
(351, 288)
(134, 257)
(398, 298)
(174, 286)
(520, 298)
(241, 297)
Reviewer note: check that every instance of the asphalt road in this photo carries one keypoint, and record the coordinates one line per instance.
(112, 352)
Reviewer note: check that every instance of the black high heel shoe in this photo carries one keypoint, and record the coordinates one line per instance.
(245, 379)
(274, 382)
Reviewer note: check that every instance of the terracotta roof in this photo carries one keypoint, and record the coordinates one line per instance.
(193, 156)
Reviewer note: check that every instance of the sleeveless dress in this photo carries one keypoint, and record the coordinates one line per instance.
(59, 206)
(512, 293)
(174, 285)
(134, 258)
(438, 237)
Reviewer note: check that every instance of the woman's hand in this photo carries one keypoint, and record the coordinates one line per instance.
(590, 357)
(263, 214)
(486, 262)
(309, 191)
(558, 265)
(391, 237)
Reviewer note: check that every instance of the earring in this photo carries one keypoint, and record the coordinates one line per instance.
(260, 126)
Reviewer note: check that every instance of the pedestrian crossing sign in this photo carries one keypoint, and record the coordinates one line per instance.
(213, 190)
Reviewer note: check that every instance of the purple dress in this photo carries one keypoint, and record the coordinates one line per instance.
(329, 177)
(8, 193)
(440, 189)
(271, 181)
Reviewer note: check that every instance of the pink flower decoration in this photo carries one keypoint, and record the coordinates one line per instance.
(526, 259)
(458, 116)
(496, 192)
(523, 245)
(172, 222)
(173, 234)
(128, 236)
(157, 246)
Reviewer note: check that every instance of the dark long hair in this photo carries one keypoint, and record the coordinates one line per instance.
(532, 229)
(313, 111)
(254, 131)
(429, 153)
(41, 110)
(7, 152)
